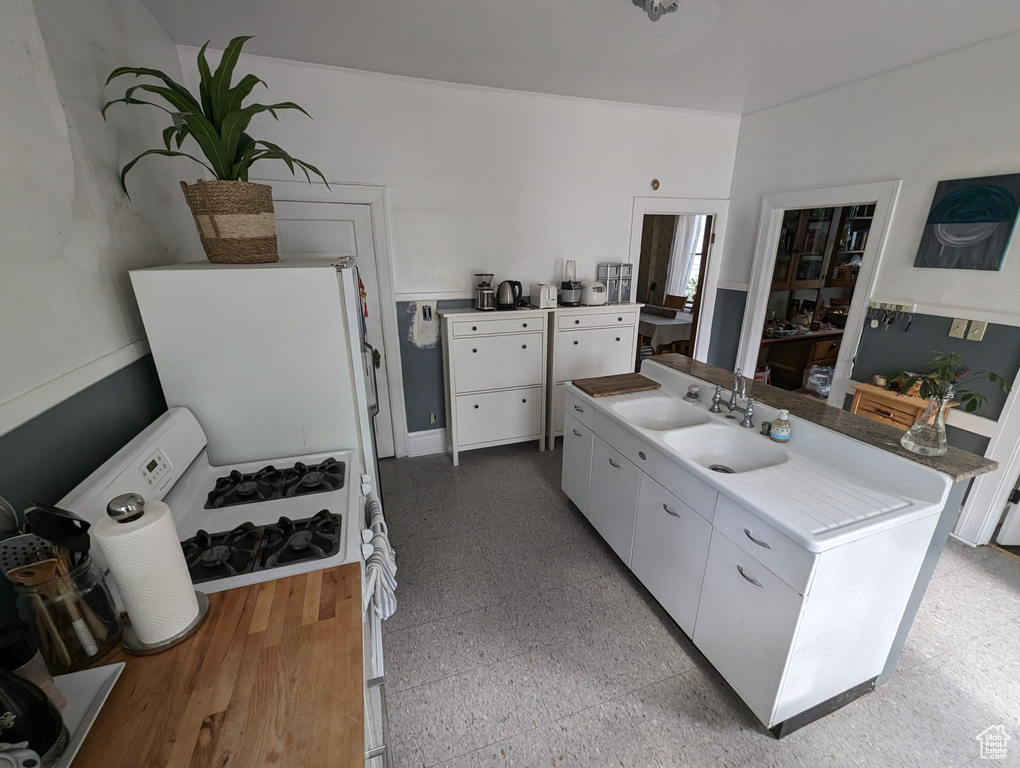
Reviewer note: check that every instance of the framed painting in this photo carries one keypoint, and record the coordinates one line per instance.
(970, 223)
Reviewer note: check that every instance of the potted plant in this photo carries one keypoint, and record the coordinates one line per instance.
(234, 216)
(928, 434)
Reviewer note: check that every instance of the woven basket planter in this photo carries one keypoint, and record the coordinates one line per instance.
(234, 220)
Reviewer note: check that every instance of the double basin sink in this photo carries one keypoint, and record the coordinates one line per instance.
(693, 433)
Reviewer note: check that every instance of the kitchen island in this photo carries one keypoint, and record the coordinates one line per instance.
(273, 678)
(798, 578)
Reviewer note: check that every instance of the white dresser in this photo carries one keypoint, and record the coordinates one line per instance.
(495, 372)
(587, 342)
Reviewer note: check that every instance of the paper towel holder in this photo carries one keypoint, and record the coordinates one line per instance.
(124, 509)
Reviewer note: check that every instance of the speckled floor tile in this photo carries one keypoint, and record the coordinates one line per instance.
(520, 640)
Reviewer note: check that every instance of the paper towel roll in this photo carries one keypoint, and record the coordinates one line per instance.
(146, 559)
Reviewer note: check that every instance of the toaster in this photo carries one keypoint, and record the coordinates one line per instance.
(542, 295)
(593, 293)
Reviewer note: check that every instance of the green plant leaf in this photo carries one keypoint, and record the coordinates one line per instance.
(220, 84)
(164, 153)
(204, 84)
(211, 144)
(186, 106)
(240, 92)
(237, 122)
(176, 87)
(130, 100)
(274, 152)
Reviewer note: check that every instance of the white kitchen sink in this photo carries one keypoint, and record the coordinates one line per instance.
(660, 414)
(726, 449)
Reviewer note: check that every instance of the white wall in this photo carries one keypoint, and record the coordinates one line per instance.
(954, 116)
(488, 180)
(68, 233)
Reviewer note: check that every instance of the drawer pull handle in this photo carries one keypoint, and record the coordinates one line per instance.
(474, 350)
(577, 322)
(524, 400)
(524, 346)
(476, 407)
(617, 338)
(525, 325)
(579, 409)
(614, 463)
(578, 433)
(756, 583)
(474, 327)
(883, 412)
(759, 542)
(642, 455)
(669, 511)
(619, 319)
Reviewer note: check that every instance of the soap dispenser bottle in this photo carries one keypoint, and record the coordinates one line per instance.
(780, 431)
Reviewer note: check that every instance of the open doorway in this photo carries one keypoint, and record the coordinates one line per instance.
(817, 263)
(672, 269)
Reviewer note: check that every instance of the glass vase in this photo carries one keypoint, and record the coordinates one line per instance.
(928, 435)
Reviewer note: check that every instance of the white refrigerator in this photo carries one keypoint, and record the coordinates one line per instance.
(271, 358)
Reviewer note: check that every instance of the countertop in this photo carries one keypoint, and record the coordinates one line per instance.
(831, 333)
(958, 464)
(273, 678)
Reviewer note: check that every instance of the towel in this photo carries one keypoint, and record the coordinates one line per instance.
(381, 565)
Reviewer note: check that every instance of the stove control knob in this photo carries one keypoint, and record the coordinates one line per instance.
(126, 507)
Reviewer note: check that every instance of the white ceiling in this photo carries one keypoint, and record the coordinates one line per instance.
(726, 55)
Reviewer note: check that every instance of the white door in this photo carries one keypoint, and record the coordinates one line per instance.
(310, 229)
(1009, 534)
(613, 500)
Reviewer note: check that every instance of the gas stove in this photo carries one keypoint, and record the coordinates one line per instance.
(269, 483)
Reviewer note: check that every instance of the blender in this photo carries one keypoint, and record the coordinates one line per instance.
(570, 288)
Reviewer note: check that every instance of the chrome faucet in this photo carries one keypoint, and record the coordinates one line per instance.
(740, 391)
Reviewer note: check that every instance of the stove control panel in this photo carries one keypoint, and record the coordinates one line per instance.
(154, 468)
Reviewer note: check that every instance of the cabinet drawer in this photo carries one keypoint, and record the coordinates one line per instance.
(596, 320)
(670, 551)
(504, 415)
(612, 506)
(577, 446)
(501, 325)
(593, 352)
(776, 551)
(747, 619)
(887, 413)
(497, 362)
(823, 352)
(693, 491)
(579, 409)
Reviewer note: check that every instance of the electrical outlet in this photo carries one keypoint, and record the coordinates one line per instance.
(958, 329)
(977, 330)
(432, 417)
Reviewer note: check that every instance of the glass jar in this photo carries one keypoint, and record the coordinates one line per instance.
(72, 617)
(928, 434)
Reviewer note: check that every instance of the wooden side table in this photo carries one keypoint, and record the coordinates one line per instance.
(889, 407)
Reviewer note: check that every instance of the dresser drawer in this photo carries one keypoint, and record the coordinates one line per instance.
(824, 352)
(498, 325)
(596, 319)
(497, 362)
(579, 409)
(504, 415)
(593, 352)
(691, 490)
(776, 551)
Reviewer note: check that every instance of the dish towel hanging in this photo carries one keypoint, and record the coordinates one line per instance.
(381, 564)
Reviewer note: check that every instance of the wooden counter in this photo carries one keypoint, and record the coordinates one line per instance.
(831, 333)
(273, 678)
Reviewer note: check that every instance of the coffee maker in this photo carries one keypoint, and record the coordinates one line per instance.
(570, 288)
(485, 296)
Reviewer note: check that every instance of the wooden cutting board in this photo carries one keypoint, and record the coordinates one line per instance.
(620, 384)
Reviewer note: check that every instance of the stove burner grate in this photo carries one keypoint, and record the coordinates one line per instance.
(270, 483)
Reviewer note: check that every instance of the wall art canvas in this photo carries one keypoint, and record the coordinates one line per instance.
(970, 223)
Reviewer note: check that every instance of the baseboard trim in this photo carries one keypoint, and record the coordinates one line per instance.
(427, 442)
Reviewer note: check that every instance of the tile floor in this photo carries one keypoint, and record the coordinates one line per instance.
(520, 640)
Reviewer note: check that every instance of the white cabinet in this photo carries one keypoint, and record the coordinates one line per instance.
(746, 624)
(670, 549)
(587, 342)
(612, 507)
(495, 366)
(578, 441)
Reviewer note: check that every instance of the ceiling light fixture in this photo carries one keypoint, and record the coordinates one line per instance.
(656, 8)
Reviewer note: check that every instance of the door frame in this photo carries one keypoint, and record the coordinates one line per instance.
(679, 206)
(375, 197)
(884, 194)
